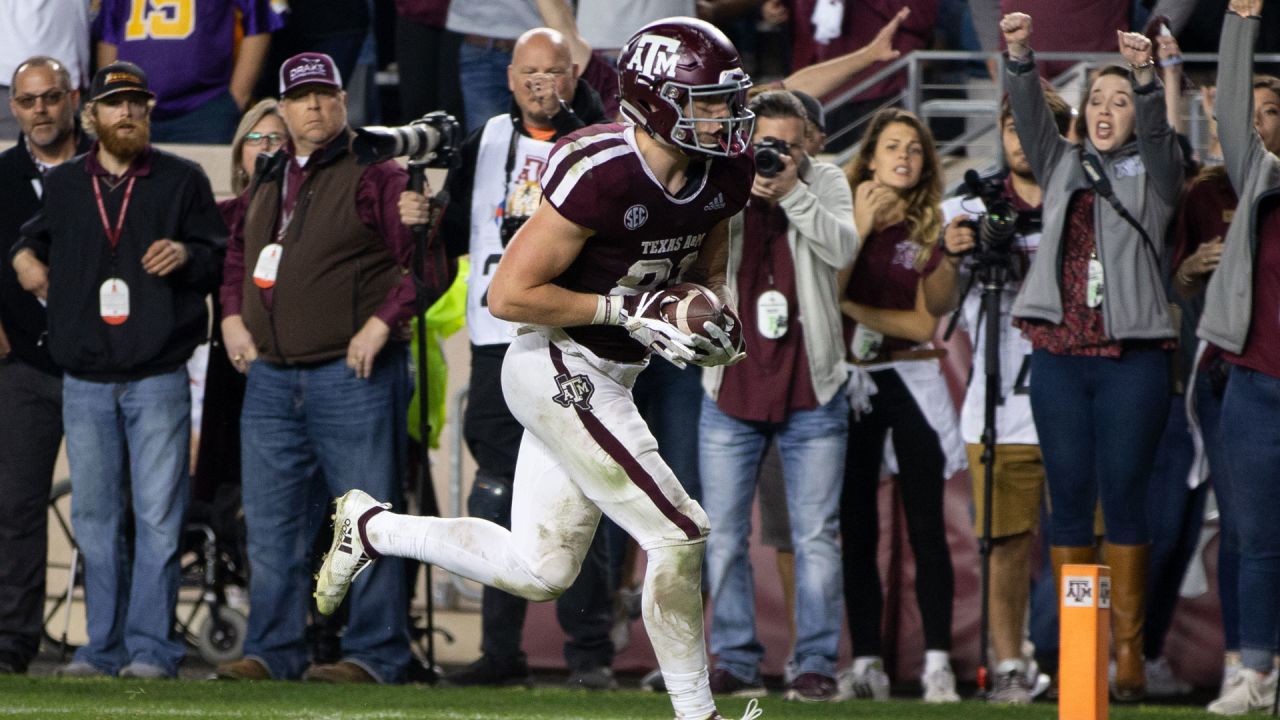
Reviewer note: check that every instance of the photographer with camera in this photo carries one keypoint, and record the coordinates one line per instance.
(317, 278)
(1018, 469)
(1094, 307)
(492, 193)
(785, 251)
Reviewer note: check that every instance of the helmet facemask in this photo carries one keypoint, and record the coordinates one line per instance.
(733, 130)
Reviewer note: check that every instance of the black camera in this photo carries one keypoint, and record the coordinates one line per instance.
(998, 227)
(432, 140)
(769, 154)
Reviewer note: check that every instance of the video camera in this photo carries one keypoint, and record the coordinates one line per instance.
(995, 228)
(769, 152)
(431, 140)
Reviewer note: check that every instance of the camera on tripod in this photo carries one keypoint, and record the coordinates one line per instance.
(432, 141)
(769, 152)
(995, 229)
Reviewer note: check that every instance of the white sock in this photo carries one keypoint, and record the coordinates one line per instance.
(672, 609)
(690, 694)
(863, 663)
(936, 660)
(1012, 665)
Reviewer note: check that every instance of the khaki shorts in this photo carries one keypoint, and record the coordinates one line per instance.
(1019, 487)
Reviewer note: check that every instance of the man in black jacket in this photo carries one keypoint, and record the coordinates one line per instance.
(126, 248)
(493, 192)
(44, 103)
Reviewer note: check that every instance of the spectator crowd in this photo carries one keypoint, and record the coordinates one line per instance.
(1136, 337)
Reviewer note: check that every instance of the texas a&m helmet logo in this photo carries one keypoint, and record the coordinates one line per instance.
(575, 390)
(655, 55)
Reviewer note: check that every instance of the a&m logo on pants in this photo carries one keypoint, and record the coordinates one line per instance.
(575, 390)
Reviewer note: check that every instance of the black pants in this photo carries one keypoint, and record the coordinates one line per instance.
(30, 433)
(920, 482)
(585, 610)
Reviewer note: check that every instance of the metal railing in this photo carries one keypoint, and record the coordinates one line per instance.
(982, 115)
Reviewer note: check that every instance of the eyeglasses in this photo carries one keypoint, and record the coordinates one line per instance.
(50, 97)
(271, 139)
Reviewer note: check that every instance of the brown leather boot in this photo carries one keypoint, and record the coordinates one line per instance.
(1128, 612)
(1061, 555)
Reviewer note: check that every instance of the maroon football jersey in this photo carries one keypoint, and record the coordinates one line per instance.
(645, 238)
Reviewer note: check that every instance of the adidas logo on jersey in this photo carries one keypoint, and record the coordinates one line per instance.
(716, 203)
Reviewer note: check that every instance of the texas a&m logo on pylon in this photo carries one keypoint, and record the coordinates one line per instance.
(575, 390)
(655, 55)
(1077, 591)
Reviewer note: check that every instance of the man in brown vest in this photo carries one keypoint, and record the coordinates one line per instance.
(316, 278)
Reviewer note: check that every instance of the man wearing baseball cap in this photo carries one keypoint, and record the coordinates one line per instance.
(126, 248)
(316, 279)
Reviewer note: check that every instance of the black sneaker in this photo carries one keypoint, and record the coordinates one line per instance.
(811, 687)
(492, 670)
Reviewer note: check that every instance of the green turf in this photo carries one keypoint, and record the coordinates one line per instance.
(23, 697)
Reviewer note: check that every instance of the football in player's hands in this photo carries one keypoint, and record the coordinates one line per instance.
(687, 306)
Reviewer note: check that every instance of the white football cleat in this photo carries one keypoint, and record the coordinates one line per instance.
(348, 556)
(864, 680)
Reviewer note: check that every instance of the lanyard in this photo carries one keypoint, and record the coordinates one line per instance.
(113, 236)
(286, 214)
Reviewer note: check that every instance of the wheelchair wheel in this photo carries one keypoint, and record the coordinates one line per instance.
(221, 636)
(64, 614)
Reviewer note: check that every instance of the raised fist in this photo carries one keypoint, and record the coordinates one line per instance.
(1246, 8)
(1134, 47)
(1016, 28)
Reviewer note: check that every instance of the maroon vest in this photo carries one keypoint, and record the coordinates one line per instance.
(334, 272)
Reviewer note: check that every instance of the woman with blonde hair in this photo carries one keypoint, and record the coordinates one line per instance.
(897, 385)
(261, 130)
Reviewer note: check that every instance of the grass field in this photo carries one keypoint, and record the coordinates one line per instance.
(25, 697)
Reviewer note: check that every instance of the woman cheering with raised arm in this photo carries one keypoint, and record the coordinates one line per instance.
(1094, 308)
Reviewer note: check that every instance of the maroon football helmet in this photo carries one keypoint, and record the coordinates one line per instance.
(671, 63)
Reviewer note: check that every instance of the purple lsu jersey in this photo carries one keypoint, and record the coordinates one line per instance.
(185, 47)
(645, 238)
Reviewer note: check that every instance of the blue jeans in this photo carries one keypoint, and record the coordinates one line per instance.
(1175, 514)
(812, 444)
(1209, 411)
(297, 420)
(146, 423)
(1251, 441)
(1099, 421)
(483, 75)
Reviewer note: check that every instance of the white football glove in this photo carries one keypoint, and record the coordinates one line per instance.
(719, 348)
(662, 338)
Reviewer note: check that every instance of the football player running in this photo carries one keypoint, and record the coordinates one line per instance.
(628, 210)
